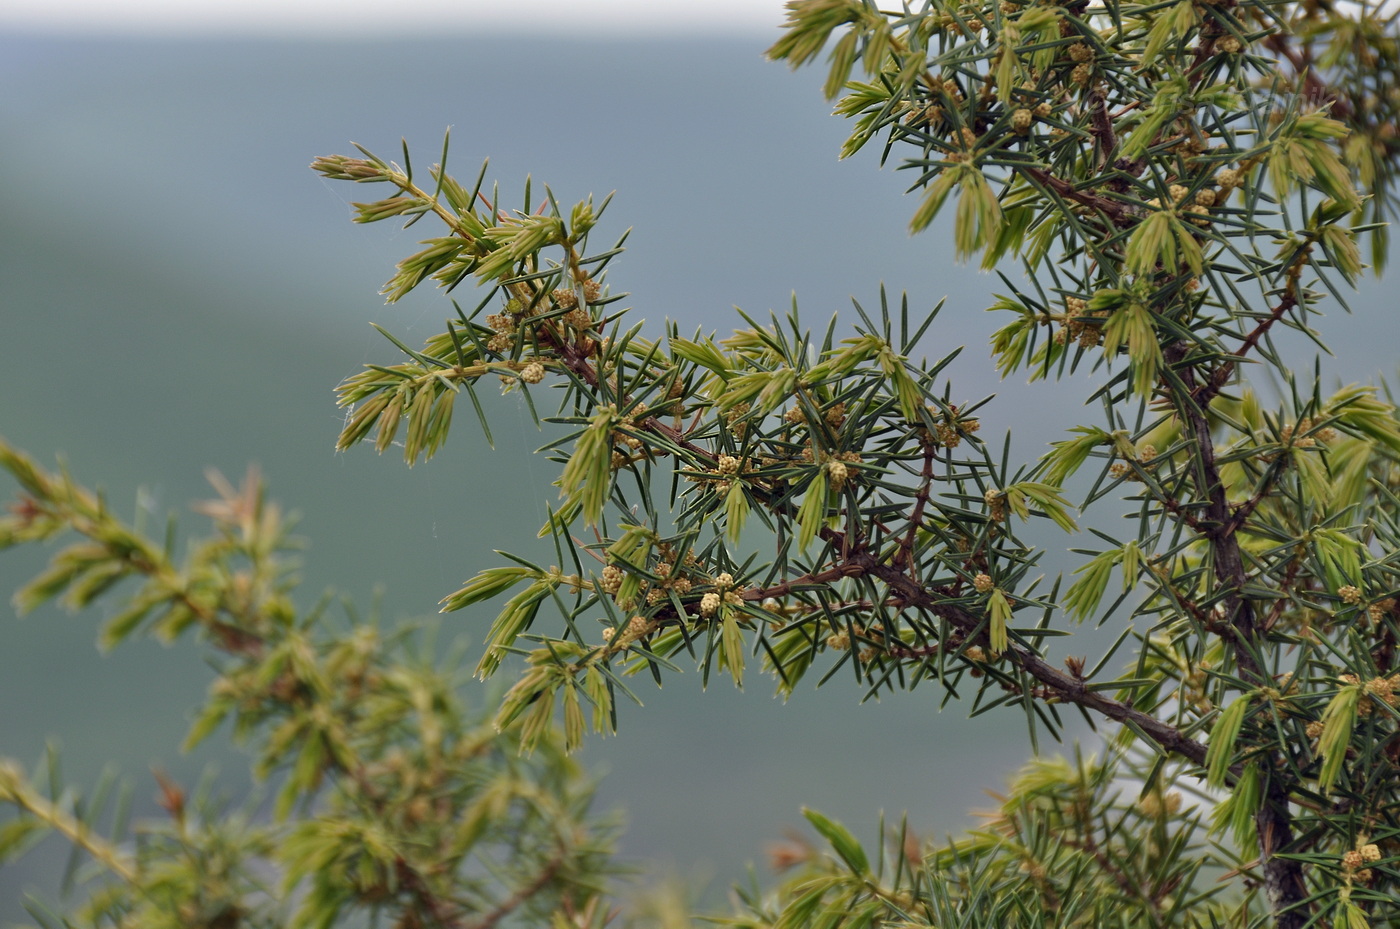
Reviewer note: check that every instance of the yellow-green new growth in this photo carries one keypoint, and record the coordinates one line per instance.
(1338, 720)
(587, 477)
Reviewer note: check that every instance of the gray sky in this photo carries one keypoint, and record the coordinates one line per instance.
(397, 17)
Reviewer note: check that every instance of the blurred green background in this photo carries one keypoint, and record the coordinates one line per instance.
(178, 291)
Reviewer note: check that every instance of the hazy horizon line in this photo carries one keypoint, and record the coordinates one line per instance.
(590, 19)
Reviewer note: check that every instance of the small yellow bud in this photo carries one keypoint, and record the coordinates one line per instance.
(532, 373)
(1021, 120)
(1349, 594)
(728, 465)
(1043, 109)
(724, 580)
(611, 579)
(1370, 853)
(709, 604)
(983, 583)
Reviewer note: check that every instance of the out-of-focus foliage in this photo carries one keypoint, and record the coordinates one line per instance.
(1066, 847)
(393, 798)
